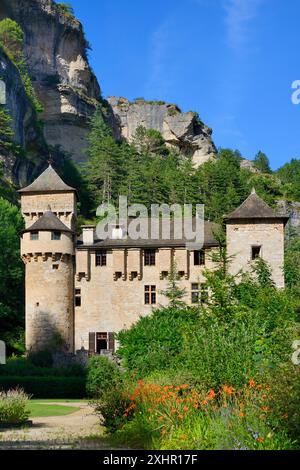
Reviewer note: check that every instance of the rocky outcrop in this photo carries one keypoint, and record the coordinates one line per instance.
(249, 165)
(183, 131)
(55, 48)
(24, 122)
(291, 208)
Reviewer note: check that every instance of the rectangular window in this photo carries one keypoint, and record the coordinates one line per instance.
(77, 297)
(55, 267)
(34, 235)
(199, 258)
(255, 252)
(150, 295)
(55, 236)
(101, 258)
(199, 293)
(149, 257)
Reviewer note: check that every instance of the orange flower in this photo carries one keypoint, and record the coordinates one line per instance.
(251, 383)
(160, 418)
(196, 406)
(173, 411)
(260, 439)
(228, 390)
(241, 414)
(211, 394)
(184, 386)
(204, 402)
(180, 416)
(185, 408)
(265, 408)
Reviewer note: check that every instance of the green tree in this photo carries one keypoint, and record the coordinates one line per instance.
(261, 162)
(11, 275)
(6, 132)
(173, 292)
(289, 175)
(11, 39)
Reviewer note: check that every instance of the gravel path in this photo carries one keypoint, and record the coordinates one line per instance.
(69, 431)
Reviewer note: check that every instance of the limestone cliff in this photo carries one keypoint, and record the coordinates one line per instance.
(183, 131)
(56, 52)
(292, 208)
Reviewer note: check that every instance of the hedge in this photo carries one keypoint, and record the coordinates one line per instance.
(46, 387)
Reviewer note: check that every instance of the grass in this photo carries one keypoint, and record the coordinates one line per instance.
(39, 409)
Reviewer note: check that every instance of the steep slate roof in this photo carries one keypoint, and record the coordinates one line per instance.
(48, 222)
(47, 181)
(255, 208)
(127, 242)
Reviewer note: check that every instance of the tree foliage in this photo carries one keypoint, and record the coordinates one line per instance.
(11, 276)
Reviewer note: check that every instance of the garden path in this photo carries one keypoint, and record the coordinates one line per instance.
(78, 430)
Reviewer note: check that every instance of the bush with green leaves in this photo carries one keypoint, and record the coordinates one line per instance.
(11, 41)
(155, 341)
(46, 386)
(24, 367)
(13, 407)
(102, 375)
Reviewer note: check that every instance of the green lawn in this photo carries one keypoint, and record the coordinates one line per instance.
(39, 409)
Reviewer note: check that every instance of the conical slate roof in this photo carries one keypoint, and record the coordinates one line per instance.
(47, 181)
(255, 208)
(48, 222)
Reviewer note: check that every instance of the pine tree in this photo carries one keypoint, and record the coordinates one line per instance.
(173, 292)
(261, 162)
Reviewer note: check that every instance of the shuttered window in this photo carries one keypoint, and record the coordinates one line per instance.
(92, 343)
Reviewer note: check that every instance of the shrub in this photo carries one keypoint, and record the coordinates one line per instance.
(21, 366)
(41, 358)
(46, 387)
(169, 417)
(13, 406)
(112, 405)
(102, 375)
(154, 341)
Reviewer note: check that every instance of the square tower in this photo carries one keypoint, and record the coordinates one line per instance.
(255, 230)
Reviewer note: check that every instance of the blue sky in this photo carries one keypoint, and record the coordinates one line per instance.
(232, 61)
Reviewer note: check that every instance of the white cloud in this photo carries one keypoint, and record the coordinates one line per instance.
(239, 16)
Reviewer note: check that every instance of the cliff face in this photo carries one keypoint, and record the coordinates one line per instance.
(55, 48)
(181, 130)
(24, 123)
(292, 208)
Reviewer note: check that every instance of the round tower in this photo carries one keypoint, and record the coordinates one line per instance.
(47, 249)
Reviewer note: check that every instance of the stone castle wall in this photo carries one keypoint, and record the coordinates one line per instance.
(242, 235)
(49, 302)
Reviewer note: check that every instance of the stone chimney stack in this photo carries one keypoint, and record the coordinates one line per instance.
(88, 232)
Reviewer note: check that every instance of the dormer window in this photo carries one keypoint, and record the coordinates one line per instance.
(55, 235)
(34, 235)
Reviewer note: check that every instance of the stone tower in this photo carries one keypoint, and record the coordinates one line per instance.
(47, 248)
(255, 230)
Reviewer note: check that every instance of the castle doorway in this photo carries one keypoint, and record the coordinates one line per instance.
(101, 342)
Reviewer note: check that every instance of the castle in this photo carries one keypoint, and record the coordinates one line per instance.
(83, 290)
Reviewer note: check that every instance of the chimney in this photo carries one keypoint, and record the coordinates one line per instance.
(88, 234)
